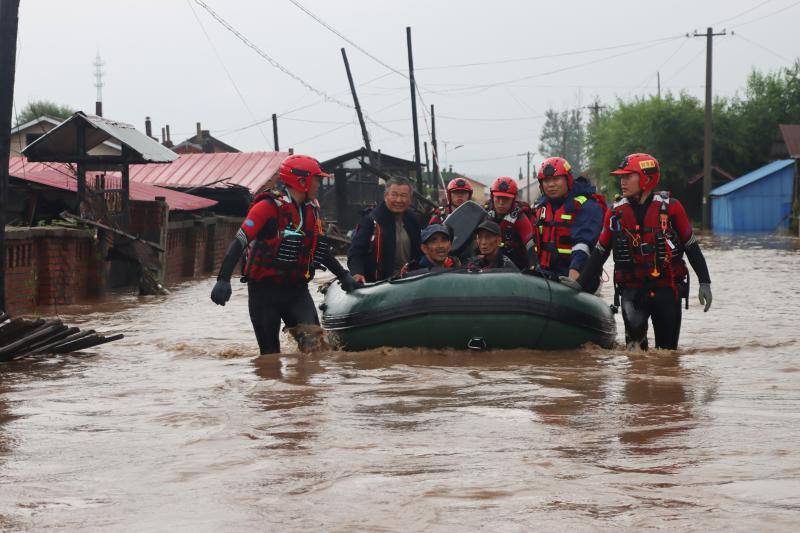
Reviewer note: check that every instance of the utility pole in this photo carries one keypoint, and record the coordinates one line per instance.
(707, 135)
(417, 158)
(437, 178)
(528, 174)
(9, 22)
(275, 132)
(658, 81)
(595, 107)
(427, 161)
(358, 107)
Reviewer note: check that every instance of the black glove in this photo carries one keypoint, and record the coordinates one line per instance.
(569, 282)
(705, 296)
(221, 292)
(349, 283)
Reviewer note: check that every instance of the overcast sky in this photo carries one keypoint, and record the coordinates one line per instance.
(491, 68)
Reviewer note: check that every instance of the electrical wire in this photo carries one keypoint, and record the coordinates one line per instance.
(225, 68)
(745, 12)
(776, 54)
(548, 56)
(765, 16)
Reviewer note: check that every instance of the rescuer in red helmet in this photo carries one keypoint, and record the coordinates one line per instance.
(283, 237)
(566, 219)
(515, 227)
(648, 234)
(459, 190)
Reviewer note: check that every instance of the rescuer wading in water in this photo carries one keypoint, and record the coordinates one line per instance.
(283, 237)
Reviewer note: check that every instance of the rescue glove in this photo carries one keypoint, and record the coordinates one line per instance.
(349, 283)
(221, 292)
(569, 282)
(704, 295)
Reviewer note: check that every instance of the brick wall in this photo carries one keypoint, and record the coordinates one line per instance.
(20, 275)
(195, 248)
(47, 267)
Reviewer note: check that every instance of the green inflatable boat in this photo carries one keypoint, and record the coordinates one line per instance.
(459, 309)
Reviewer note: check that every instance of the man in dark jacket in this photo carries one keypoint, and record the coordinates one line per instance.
(387, 237)
(488, 239)
(436, 243)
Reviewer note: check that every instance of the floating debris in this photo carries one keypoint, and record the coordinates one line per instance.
(21, 336)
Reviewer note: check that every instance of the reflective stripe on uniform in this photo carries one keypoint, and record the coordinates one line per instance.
(581, 247)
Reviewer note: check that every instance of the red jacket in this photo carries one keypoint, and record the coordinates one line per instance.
(273, 216)
(650, 253)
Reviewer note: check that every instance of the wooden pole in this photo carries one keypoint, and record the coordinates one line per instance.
(437, 178)
(708, 130)
(417, 158)
(9, 22)
(361, 122)
(275, 132)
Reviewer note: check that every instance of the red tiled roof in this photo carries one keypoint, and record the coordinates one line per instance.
(248, 169)
(60, 176)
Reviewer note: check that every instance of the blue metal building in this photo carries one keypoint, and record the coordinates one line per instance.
(760, 201)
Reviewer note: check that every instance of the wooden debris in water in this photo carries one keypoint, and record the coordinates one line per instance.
(21, 336)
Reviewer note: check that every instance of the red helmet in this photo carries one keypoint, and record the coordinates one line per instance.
(556, 166)
(504, 186)
(643, 164)
(295, 170)
(459, 184)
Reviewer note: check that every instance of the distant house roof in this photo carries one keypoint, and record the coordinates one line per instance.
(61, 176)
(751, 177)
(791, 137)
(61, 143)
(47, 119)
(207, 144)
(385, 159)
(714, 168)
(247, 169)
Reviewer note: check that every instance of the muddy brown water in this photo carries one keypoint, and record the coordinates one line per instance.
(180, 427)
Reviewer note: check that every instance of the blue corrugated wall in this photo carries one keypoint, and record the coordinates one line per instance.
(762, 206)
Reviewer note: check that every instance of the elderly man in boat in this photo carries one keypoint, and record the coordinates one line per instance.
(436, 242)
(488, 239)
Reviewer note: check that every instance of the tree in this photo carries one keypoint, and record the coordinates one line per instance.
(37, 108)
(671, 129)
(563, 135)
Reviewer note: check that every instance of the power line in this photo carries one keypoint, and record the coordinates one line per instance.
(225, 68)
(776, 54)
(766, 16)
(745, 12)
(477, 119)
(548, 56)
(326, 97)
(483, 87)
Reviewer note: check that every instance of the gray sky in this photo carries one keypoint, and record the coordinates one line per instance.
(160, 63)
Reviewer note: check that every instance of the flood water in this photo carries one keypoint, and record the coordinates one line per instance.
(181, 427)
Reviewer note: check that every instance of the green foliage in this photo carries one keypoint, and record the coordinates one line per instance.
(564, 135)
(38, 108)
(671, 129)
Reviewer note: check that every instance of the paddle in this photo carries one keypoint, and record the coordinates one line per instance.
(462, 222)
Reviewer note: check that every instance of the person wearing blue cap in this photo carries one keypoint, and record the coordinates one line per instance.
(435, 245)
(488, 239)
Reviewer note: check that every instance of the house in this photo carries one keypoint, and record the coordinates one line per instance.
(25, 134)
(203, 143)
(760, 201)
(480, 192)
(354, 186)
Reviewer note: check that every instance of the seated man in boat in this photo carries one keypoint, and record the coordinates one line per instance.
(567, 219)
(488, 239)
(436, 242)
(515, 226)
(387, 237)
(459, 190)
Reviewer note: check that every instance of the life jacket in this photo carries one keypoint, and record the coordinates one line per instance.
(262, 257)
(512, 245)
(647, 255)
(554, 233)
